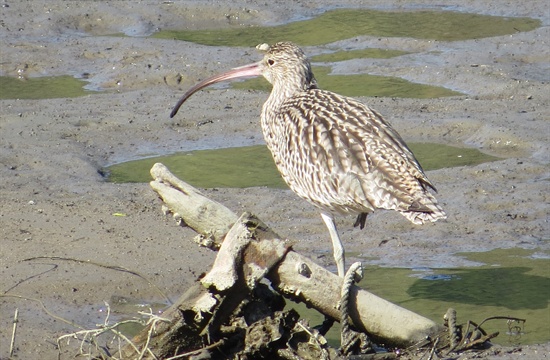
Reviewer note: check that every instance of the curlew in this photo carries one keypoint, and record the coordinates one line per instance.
(332, 150)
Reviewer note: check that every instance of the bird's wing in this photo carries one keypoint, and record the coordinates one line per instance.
(334, 144)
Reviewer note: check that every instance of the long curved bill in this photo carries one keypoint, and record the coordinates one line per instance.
(240, 72)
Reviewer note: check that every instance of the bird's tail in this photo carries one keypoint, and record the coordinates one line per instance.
(429, 210)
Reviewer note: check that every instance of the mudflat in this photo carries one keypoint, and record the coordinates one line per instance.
(56, 207)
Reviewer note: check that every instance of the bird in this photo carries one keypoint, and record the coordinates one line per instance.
(333, 151)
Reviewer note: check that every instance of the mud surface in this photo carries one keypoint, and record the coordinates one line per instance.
(55, 203)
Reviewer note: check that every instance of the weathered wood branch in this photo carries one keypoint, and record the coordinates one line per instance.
(245, 256)
(210, 219)
(250, 251)
(316, 285)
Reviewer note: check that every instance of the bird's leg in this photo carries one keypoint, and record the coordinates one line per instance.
(337, 246)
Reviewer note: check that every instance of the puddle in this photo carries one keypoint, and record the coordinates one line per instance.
(335, 25)
(250, 166)
(360, 85)
(344, 24)
(510, 283)
(124, 308)
(237, 167)
(47, 87)
(127, 305)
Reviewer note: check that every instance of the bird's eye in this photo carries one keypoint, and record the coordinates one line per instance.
(271, 62)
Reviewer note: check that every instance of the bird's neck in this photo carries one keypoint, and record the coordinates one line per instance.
(271, 121)
(277, 97)
(283, 90)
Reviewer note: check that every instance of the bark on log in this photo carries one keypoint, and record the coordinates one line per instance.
(297, 276)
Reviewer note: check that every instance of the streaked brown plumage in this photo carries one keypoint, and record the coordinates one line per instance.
(332, 150)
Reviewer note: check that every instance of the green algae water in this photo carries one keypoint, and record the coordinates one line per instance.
(238, 167)
(47, 87)
(250, 166)
(511, 282)
(340, 24)
(360, 85)
(335, 25)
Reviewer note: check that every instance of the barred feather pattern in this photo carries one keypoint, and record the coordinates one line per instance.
(336, 152)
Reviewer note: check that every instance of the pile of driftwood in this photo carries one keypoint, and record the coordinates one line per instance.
(237, 309)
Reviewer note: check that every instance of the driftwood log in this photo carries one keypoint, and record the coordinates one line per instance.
(248, 252)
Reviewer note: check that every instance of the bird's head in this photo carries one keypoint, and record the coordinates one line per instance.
(284, 65)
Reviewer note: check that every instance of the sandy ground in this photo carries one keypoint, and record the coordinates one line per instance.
(55, 203)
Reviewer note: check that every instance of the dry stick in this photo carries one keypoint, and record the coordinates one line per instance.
(153, 320)
(94, 333)
(111, 267)
(54, 266)
(499, 318)
(15, 321)
(434, 347)
(44, 308)
(209, 347)
(83, 330)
